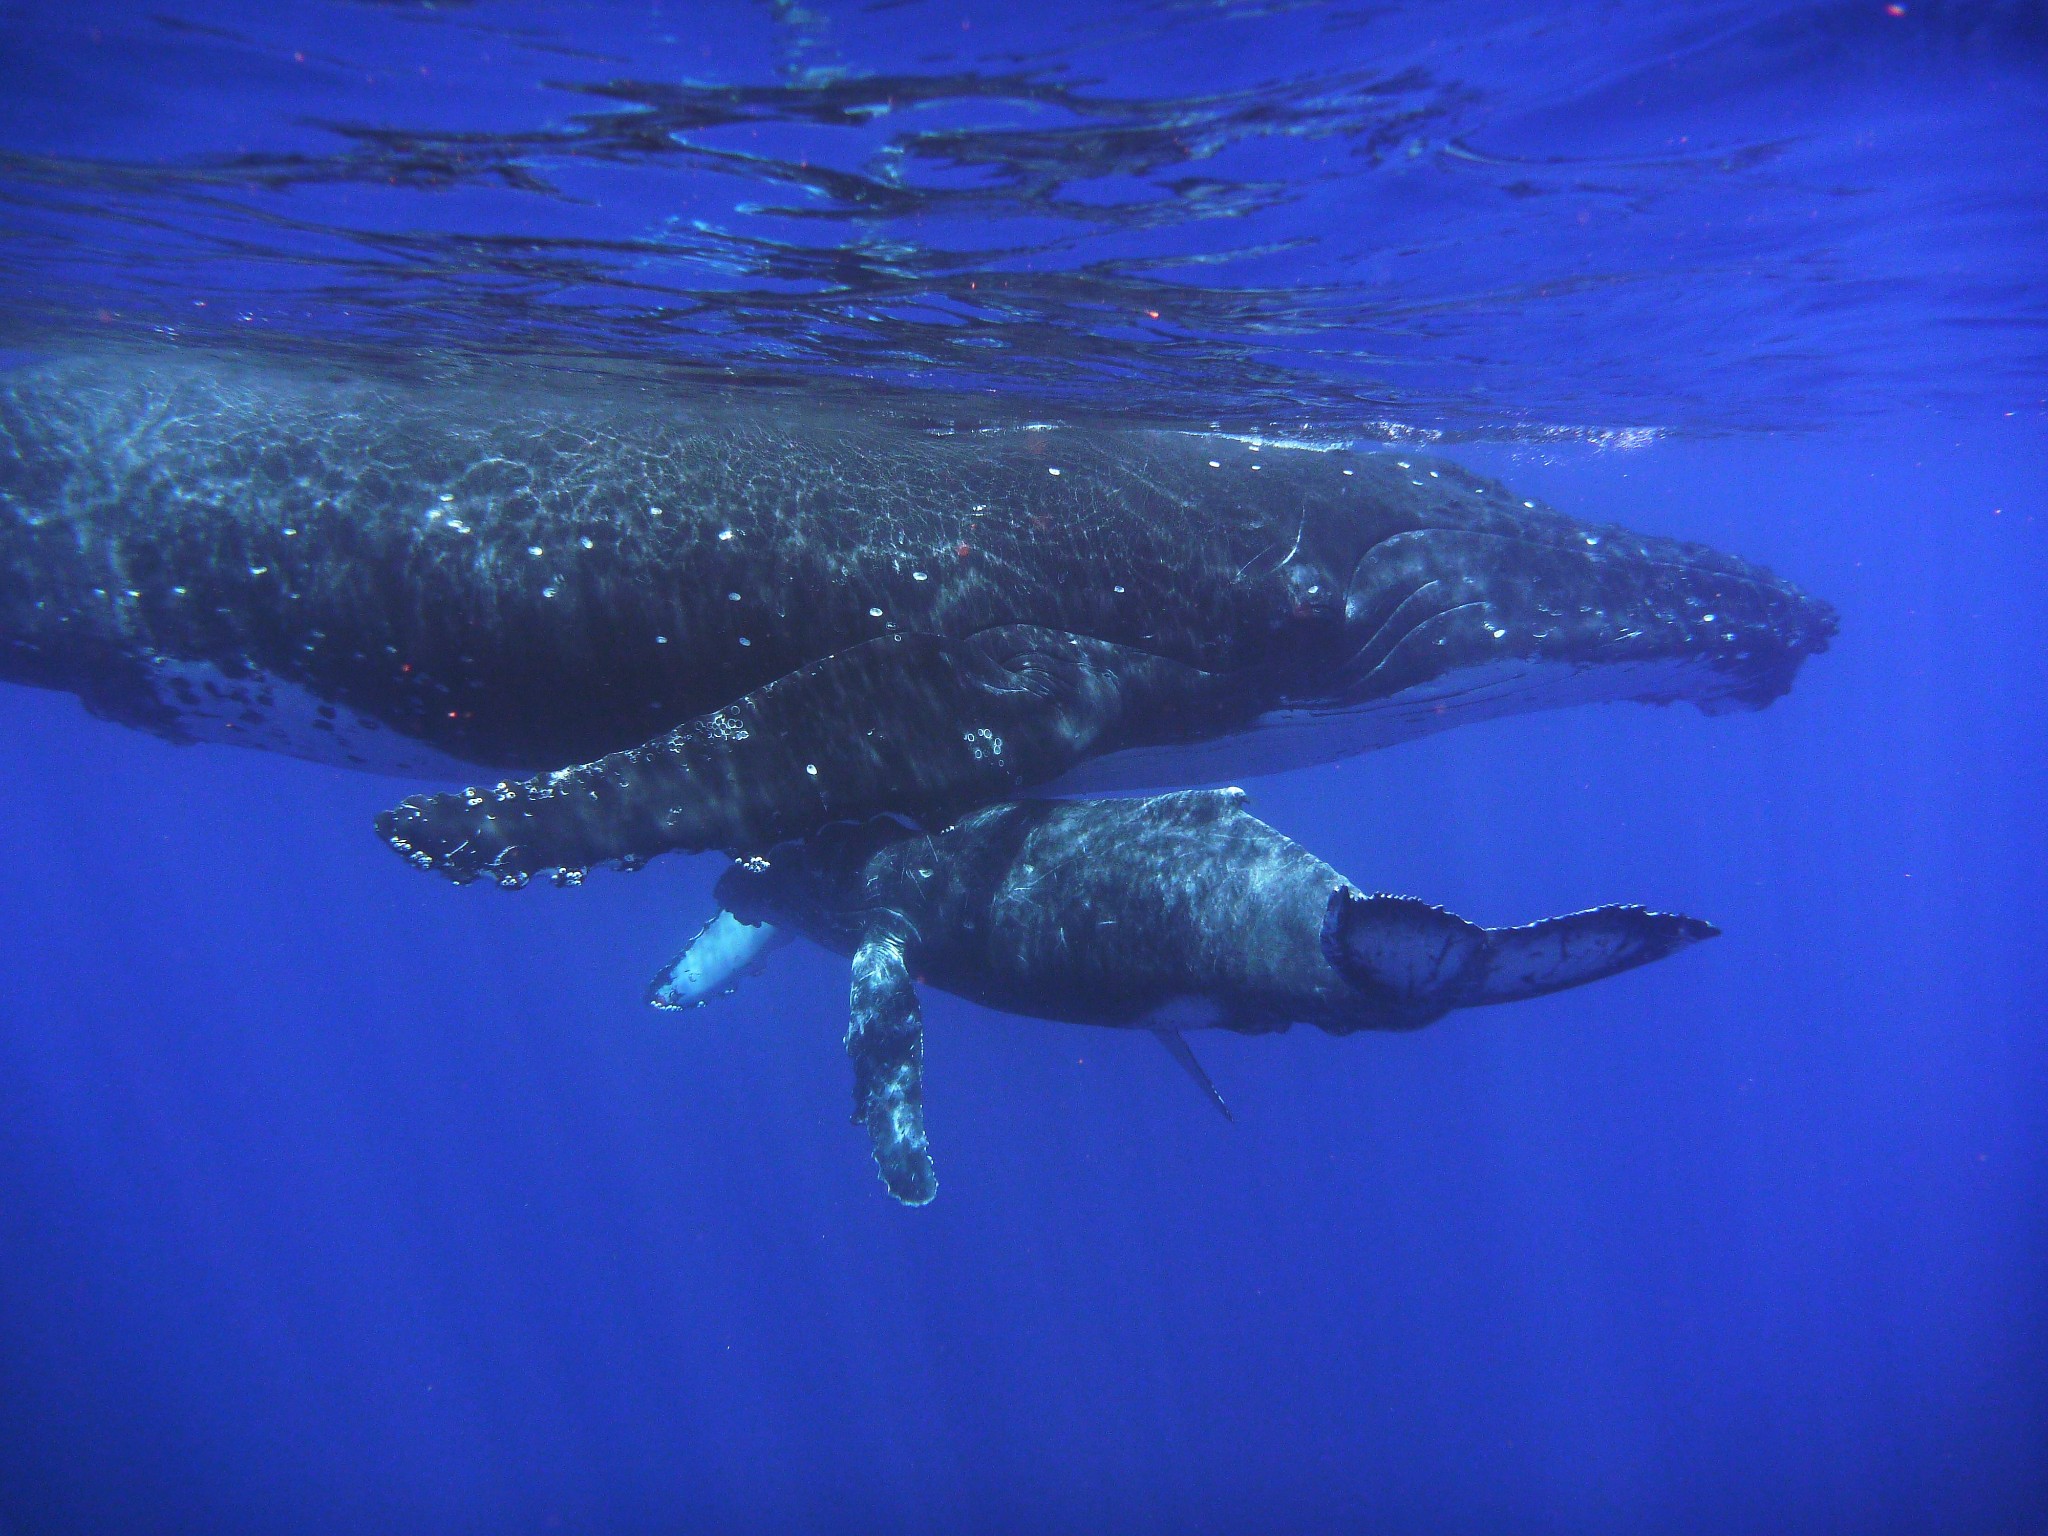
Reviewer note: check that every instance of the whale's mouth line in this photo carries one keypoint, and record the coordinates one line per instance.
(1311, 733)
(1584, 551)
(1365, 678)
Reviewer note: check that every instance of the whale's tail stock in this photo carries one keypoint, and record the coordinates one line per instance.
(1420, 962)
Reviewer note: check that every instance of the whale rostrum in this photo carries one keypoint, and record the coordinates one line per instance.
(740, 620)
(1182, 910)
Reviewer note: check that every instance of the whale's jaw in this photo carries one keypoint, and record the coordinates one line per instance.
(1459, 610)
(1283, 740)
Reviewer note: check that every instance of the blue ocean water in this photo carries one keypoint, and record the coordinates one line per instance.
(333, 1199)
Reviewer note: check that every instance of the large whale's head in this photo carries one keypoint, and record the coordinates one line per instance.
(1481, 602)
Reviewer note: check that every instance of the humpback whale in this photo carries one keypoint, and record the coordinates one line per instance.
(696, 624)
(1166, 913)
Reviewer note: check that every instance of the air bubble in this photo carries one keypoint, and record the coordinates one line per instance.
(874, 613)
(919, 576)
(1050, 470)
(811, 769)
(535, 550)
(661, 639)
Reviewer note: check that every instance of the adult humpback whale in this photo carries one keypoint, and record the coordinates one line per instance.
(847, 614)
(1179, 911)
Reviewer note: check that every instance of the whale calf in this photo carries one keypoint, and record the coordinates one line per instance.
(1182, 910)
(725, 623)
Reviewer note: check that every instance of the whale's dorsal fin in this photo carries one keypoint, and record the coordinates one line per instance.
(1178, 1048)
(885, 1039)
(711, 964)
(1194, 807)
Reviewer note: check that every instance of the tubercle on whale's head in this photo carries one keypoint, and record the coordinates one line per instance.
(1585, 612)
(819, 887)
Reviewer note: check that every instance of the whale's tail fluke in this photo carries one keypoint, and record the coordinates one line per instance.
(1421, 961)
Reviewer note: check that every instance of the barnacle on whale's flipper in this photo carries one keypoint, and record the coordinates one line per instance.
(919, 725)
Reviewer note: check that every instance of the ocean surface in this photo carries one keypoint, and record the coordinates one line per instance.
(334, 1199)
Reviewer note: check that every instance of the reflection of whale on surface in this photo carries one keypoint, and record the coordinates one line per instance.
(1175, 912)
(848, 614)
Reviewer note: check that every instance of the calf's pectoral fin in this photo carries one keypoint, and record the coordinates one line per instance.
(925, 726)
(1420, 961)
(711, 964)
(1178, 1048)
(885, 1039)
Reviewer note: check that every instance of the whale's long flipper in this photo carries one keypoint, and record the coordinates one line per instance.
(918, 725)
(1178, 1048)
(885, 1039)
(719, 953)
(1421, 961)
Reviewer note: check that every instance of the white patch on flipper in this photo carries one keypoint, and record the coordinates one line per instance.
(1285, 739)
(713, 961)
(262, 710)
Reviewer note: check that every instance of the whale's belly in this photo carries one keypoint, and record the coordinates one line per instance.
(206, 704)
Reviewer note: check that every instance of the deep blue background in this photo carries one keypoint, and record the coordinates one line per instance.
(335, 1200)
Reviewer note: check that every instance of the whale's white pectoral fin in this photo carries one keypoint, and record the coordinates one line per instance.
(711, 964)
(885, 1039)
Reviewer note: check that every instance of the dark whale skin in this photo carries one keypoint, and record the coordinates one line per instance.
(1171, 912)
(1111, 912)
(513, 578)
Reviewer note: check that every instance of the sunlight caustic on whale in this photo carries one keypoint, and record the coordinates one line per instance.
(736, 621)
